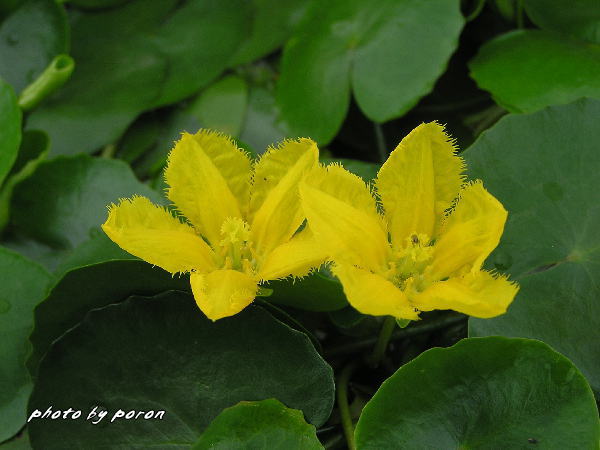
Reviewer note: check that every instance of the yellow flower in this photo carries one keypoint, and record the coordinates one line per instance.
(425, 250)
(242, 220)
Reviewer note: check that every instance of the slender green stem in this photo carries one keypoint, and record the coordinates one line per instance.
(344, 407)
(333, 441)
(383, 339)
(520, 18)
(53, 77)
(380, 139)
(108, 151)
(476, 11)
(413, 330)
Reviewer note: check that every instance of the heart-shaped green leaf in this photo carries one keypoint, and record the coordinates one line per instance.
(192, 369)
(483, 393)
(389, 52)
(528, 70)
(264, 424)
(544, 168)
(24, 284)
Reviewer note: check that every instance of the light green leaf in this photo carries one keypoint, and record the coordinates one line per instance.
(390, 53)
(528, 70)
(10, 129)
(253, 425)
(221, 106)
(483, 393)
(544, 168)
(263, 125)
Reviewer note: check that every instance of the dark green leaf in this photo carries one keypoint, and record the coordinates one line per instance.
(68, 198)
(272, 23)
(527, 70)
(24, 284)
(390, 52)
(90, 287)
(10, 129)
(20, 442)
(580, 19)
(316, 292)
(30, 38)
(192, 369)
(483, 393)
(97, 4)
(157, 52)
(98, 248)
(544, 168)
(254, 425)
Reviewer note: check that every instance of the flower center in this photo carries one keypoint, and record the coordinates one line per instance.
(235, 250)
(410, 262)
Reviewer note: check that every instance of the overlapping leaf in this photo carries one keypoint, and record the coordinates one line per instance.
(146, 54)
(195, 370)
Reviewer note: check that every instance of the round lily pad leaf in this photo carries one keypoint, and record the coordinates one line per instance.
(483, 393)
(95, 286)
(10, 129)
(528, 70)
(254, 425)
(24, 284)
(544, 168)
(68, 196)
(192, 369)
(389, 53)
(30, 38)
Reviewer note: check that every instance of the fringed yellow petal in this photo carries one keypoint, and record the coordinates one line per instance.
(470, 233)
(419, 181)
(222, 293)
(276, 210)
(296, 258)
(372, 294)
(478, 294)
(153, 234)
(343, 216)
(209, 179)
